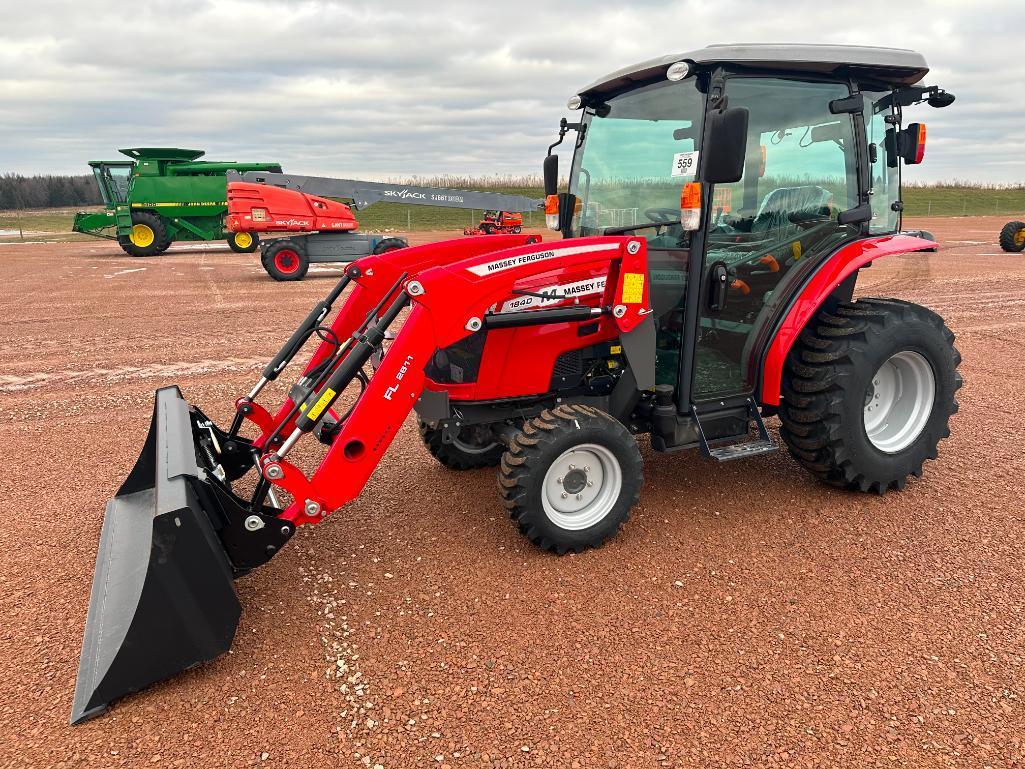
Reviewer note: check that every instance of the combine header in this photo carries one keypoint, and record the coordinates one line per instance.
(549, 360)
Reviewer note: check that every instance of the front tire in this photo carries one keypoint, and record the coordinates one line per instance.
(1012, 237)
(243, 242)
(570, 477)
(285, 260)
(471, 450)
(148, 237)
(868, 393)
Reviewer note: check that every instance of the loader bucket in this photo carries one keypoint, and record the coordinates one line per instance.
(163, 597)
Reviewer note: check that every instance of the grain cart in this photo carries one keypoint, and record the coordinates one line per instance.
(550, 360)
(163, 195)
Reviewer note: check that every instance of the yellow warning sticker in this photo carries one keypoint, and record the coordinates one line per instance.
(633, 288)
(615, 349)
(321, 404)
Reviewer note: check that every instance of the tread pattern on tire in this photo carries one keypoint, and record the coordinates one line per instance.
(1008, 236)
(524, 459)
(819, 365)
(449, 455)
(390, 244)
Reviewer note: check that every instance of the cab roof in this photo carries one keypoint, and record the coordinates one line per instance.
(162, 153)
(892, 66)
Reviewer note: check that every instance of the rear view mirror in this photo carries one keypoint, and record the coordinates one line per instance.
(550, 168)
(726, 146)
(940, 99)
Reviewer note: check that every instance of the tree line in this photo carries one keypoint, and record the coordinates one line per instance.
(47, 191)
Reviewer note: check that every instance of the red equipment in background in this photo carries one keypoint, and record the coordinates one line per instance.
(505, 222)
(326, 229)
(262, 208)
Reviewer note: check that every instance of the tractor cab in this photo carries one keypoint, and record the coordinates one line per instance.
(113, 178)
(744, 168)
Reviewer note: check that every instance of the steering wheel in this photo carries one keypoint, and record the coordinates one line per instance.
(663, 215)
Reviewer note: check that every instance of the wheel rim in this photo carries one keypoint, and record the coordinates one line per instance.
(142, 235)
(899, 401)
(286, 260)
(581, 487)
(243, 239)
(1019, 237)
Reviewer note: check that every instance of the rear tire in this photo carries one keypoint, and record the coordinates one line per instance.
(1012, 237)
(149, 236)
(570, 478)
(517, 230)
(243, 242)
(868, 392)
(465, 453)
(488, 229)
(285, 260)
(389, 244)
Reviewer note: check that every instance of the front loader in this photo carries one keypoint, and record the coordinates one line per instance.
(663, 312)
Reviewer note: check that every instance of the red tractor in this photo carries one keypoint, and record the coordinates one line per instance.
(549, 361)
(505, 222)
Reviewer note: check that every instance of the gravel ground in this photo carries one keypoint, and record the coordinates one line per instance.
(747, 616)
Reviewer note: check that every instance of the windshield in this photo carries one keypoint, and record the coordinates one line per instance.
(113, 182)
(635, 160)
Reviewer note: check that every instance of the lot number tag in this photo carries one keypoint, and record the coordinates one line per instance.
(685, 163)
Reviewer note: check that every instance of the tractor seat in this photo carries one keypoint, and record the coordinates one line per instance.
(784, 205)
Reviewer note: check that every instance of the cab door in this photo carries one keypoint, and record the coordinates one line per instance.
(768, 230)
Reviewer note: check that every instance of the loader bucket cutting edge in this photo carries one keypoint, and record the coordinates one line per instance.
(163, 596)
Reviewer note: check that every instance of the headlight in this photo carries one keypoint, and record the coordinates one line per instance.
(678, 71)
(575, 102)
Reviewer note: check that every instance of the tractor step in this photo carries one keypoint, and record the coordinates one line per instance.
(740, 449)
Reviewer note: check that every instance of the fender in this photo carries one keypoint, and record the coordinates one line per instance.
(826, 279)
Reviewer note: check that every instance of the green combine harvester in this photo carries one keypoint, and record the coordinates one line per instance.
(161, 195)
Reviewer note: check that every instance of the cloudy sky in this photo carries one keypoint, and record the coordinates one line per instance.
(394, 88)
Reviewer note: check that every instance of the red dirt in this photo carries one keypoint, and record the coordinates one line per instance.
(747, 615)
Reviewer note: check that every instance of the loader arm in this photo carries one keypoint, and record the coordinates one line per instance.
(447, 303)
(368, 280)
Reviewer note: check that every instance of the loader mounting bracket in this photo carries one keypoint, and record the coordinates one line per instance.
(250, 537)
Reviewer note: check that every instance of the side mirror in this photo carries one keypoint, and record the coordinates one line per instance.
(726, 146)
(550, 168)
